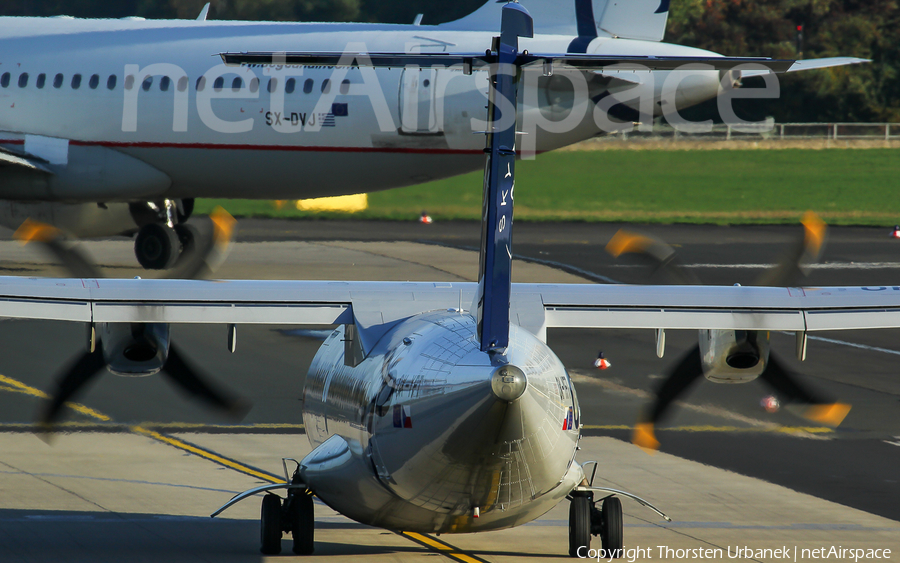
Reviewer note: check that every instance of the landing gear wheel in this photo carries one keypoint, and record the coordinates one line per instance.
(185, 210)
(303, 523)
(156, 246)
(579, 526)
(271, 527)
(612, 534)
(188, 235)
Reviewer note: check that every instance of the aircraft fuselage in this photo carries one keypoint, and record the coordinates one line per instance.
(422, 434)
(120, 111)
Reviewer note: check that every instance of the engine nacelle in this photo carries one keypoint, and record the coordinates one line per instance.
(733, 356)
(134, 349)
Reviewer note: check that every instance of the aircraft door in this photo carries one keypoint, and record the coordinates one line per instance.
(418, 108)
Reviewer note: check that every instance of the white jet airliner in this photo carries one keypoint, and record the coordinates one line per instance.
(115, 126)
(439, 407)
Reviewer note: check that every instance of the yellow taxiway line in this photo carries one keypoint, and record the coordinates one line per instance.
(434, 544)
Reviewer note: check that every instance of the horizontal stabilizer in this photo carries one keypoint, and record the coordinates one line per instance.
(583, 19)
(811, 64)
(8, 158)
(545, 61)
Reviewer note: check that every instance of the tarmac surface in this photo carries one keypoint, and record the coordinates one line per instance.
(140, 486)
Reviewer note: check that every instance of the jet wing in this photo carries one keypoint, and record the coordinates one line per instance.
(811, 64)
(476, 60)
(536, 307)
(8, 158)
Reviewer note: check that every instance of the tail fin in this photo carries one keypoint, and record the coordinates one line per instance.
(634, 19)
(584, 19)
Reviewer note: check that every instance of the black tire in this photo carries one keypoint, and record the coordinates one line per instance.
(270, 525)
(187, 209)
(156, 246)
(579, 526)
(303, 523)
(188, 235)
(613, 534)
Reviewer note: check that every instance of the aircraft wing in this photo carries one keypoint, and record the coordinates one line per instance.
(811, 64)
(536, 307)
(476, 60)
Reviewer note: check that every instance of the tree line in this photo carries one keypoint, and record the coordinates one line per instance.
(776, 28)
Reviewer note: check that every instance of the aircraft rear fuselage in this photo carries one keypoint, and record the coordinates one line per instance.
(427, 416)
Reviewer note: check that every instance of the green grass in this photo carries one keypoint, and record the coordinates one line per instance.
(845, 186)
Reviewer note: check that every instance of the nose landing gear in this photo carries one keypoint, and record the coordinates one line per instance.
(295, 516)
(585, 520)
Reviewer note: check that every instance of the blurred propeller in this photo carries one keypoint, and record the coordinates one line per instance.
(197, 261)
(181, 373)
(745, 349)
(137, 349)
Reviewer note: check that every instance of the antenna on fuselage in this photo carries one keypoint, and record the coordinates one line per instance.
(494, 276)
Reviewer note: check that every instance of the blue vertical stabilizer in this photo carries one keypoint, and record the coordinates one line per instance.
(494, 278)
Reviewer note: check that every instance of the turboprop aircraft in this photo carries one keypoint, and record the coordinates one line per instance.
(114, 127)
(426, 413)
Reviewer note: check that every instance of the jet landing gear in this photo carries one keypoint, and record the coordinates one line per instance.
(295, 515)
(585, 520)
(163, 237)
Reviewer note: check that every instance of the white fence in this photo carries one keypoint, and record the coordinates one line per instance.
(770, 130)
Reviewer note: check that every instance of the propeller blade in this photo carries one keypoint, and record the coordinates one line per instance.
(188, 379)
(79, 373)
(73, 260)
(688, 370)
(790, 270)
(821, 410)
(198, 262)
(660, 253)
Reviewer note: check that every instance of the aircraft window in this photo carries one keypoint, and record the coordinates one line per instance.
(164, 84)
(129, 82)
(111, 82)
(76, 82)
(426, 83)
(345, 87)
(94, 81)
(4, 80)
(218, 84)
(273, 85)
(41, 80)
(182, 83)
(254, 86)
(23, 80)
(237, 84)
(326, 86)
(148, 83)
(290, 85)
(201, 83)
(308, 86)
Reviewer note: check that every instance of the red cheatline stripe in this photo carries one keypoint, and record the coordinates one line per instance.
(294, 148)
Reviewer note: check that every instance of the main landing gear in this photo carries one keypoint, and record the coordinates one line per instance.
(585, 520)
(163, 236)
(295, 515)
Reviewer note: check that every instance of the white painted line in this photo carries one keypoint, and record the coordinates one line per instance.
(855, 345)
